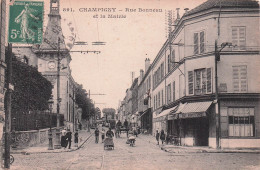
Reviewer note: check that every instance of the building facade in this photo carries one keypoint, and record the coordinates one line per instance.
(210, 68)
(49, 57)
(2, 70)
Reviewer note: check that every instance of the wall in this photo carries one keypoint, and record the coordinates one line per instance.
(25, 139)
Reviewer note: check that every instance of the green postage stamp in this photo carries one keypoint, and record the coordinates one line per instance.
(26, 22)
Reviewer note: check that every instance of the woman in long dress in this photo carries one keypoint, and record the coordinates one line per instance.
(24, 19)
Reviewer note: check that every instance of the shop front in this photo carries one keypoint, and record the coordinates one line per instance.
(147, 121)
(190, 123)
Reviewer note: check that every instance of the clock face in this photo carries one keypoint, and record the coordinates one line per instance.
(51, 64)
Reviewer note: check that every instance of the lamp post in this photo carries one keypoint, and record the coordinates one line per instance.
(217, 58)
(57, 145)
(50, 102)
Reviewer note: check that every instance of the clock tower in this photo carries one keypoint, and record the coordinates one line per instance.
(53, 62)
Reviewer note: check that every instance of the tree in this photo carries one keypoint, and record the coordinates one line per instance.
(84, 102)
(31, 90)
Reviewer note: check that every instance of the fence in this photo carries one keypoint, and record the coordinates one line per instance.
(34, 120)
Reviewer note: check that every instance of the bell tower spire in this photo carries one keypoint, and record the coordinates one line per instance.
(55, 7)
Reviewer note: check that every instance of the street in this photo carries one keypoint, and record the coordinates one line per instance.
(144, 155)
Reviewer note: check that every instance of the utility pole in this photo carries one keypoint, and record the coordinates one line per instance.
(58, 146)
(7, 127)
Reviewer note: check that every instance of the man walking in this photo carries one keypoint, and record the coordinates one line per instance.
(69, 136)
(96, 135)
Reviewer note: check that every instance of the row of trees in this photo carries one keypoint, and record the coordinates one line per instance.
(85, 103)
(32, 91)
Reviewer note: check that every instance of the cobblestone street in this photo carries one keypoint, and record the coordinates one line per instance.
(145, 155)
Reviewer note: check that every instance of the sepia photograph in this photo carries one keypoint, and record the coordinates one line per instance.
(129, 84)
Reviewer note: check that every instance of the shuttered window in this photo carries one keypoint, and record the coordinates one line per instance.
(190, 81)
(239, 38)
(202, 45)
(169, 63)
(209, 80)
(159, 100)
(196, 43)
(169, 94)
(173, 57)
(240, 78)
(199, 42)
(173, 91)
(162, 98)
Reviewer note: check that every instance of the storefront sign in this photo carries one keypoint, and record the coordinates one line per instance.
(192, 115)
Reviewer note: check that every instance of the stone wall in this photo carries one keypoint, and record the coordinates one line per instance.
(23, 139)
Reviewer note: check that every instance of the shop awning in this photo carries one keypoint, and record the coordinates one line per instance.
(193, 110)
(163, 115)
(146, 111)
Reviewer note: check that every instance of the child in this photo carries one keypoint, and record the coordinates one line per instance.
(96, 135)
(103, 135)
(157, 137)
(76, 138)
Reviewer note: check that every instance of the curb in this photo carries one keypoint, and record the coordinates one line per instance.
(59, 151)
(192, 150)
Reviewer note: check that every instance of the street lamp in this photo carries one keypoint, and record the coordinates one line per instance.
(217, 58)
(50, 102)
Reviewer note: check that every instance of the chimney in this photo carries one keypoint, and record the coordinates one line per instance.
(141, 74)
(178, 17)
(147, 64)
(186, 10)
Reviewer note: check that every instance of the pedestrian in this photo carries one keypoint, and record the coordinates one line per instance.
(68, 137)
(157, 136)
(103, 134)
(64, 142)
(76, 138)
(96, 135)
(126, 127)
(110, 133)
(162, 136)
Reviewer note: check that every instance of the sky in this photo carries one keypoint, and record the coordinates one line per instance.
(128, 41)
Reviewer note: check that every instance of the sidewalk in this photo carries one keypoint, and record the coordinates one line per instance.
(84, 135)
(195, 149)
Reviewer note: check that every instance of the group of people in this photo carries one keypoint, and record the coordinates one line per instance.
(160, 136)
(66, 137)
(109, 134)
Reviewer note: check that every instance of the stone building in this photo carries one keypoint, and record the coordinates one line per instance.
(2, 69)
(45, 57)
(206, 68)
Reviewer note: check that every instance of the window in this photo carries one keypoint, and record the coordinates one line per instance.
(159, 100)
(162, 70)
(173, 91)
(239, 38)
(173, 57)
(154, 102)
(241, 121)
(200, 81)
(240, 78)
(169, 63)
(162, 97)
(168, 93)
(199, 42)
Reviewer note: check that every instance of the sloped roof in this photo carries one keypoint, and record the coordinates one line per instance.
(224, 4)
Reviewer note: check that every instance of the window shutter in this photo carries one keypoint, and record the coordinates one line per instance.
(236, 78)
(202, 42)
(196, 41)
(243, 78)
(209, 86)
(242, 38)
(235, 37)
(173, 91)
(162, 97)
(173, 57)
(190, 81)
